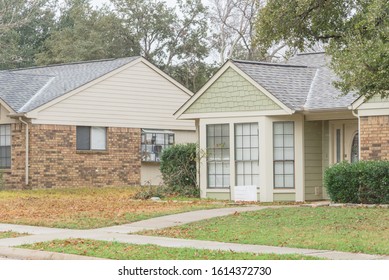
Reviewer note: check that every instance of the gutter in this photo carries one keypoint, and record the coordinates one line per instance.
(27, 149)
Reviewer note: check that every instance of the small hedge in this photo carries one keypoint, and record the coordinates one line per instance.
(361, 182)
(178, 168)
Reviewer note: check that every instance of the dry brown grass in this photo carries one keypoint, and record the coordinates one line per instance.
(87, 207)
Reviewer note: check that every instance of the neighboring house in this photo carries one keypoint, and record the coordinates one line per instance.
(97, 123)
(279, 126)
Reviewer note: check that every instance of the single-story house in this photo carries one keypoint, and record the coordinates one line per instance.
(279, 126)
(96, 123)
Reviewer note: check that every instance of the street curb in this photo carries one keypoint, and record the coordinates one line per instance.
(27, 254)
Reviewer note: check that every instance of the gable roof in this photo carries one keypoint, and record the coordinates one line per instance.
(304, 83)
(27, 89)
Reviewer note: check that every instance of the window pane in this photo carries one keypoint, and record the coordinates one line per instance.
(247, 180)
(218, 130)
(238, 129)
(210, 130)
(239, 180)
(98, 138)
(288, 154)
(219, 168)
(247, 167)
(225, 130)
(238, 141)
(246, 154)
(226, 180)
(279, 181)
(288, 128)
(254, 141)
(289, 167)
(278, 153)
(278, 128)
(239, 154)
(211, 181)
(211, 168)
(246, 141)
(289, 181)
(278, 168)
(83, 137)
(254, 154)
(225, 154)
(254, 129)
(246, 129)
(278, 140)
(288, 141)
(239, 167)
(226, 168)
(211, 142)
(219, 180)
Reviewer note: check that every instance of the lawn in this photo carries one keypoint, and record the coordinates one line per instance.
(124, 251)
(84, 208)
(10, 234)
(341, 229)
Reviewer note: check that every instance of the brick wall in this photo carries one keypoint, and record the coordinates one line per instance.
(54, 161)
(374, 136)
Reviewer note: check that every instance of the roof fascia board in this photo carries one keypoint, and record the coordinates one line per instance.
(167, 77)
(196, 96)
(355, 105)
(233, 114)
(81, 88)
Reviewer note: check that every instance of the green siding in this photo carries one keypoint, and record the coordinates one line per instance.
(231, 93)
(313, 159)
(220, 196)
(284, 197)
(325, 151)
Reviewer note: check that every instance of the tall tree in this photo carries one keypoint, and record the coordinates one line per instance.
(84, 33)
(166, 34)
(354, 32)
(24, 25)
(233, 30)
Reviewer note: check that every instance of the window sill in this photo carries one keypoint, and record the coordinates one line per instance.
(226, 190)
(92, 152)
(151, 162)
(284, 190)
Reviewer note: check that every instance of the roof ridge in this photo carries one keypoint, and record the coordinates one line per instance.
(268, 63)
(70, 63)
(311, 87)
(37, 94)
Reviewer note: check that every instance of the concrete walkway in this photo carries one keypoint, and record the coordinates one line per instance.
(121, 234)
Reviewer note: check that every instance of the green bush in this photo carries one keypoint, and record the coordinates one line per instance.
(361, 182)
(178, 168)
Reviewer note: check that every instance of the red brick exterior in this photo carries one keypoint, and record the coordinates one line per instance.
(374, 137)
(55, 162)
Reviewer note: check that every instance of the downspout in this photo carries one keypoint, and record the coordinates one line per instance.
(27, 149)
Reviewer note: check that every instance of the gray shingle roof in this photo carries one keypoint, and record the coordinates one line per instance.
(27, 89)
(302, 83)
(288, 84)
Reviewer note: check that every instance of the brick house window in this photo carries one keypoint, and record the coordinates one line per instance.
(5, 146)
(91, 138)
(154, 142)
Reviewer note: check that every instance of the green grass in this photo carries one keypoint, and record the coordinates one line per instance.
(124, 251)
(10, 234)
(341, 229)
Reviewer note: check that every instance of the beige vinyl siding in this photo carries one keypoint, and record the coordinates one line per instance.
(137, 97)
(4, 119)
(313, 159)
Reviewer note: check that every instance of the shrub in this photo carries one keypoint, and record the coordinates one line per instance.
(148, 192)
(361, 182)
(178, 168)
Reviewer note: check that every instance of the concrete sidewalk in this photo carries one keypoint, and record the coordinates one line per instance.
(121, 234)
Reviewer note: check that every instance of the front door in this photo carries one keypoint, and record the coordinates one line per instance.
(344, 141)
